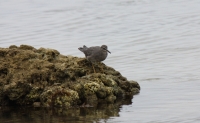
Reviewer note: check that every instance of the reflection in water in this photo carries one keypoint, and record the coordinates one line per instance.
(71, 115)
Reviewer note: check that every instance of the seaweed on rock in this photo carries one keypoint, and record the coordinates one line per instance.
(29, 75)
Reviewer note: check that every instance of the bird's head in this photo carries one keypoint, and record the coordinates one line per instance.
(104, 47)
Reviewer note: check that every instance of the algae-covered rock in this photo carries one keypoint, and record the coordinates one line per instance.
(58, 96)
(29, 75)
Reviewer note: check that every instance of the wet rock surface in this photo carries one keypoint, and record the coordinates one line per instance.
(29, 75)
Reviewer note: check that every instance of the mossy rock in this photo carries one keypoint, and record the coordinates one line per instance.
(29, 75)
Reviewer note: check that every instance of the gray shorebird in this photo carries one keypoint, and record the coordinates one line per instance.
(95, 54)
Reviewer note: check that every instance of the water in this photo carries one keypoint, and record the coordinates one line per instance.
(155, 42)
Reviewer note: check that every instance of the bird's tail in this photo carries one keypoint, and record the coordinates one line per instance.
(82, 49)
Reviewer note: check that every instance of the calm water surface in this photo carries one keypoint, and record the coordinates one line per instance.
(155, 42)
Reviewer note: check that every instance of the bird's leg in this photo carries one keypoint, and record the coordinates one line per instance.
(93, 68)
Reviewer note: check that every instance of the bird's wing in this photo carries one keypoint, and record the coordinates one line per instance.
(85, 46)
(88, 51)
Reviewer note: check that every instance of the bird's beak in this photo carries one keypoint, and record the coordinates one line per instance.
(108, 51)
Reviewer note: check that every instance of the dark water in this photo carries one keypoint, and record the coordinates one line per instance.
(56, 115)
(155, 42)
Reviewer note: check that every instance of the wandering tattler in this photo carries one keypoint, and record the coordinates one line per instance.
(95, 54)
